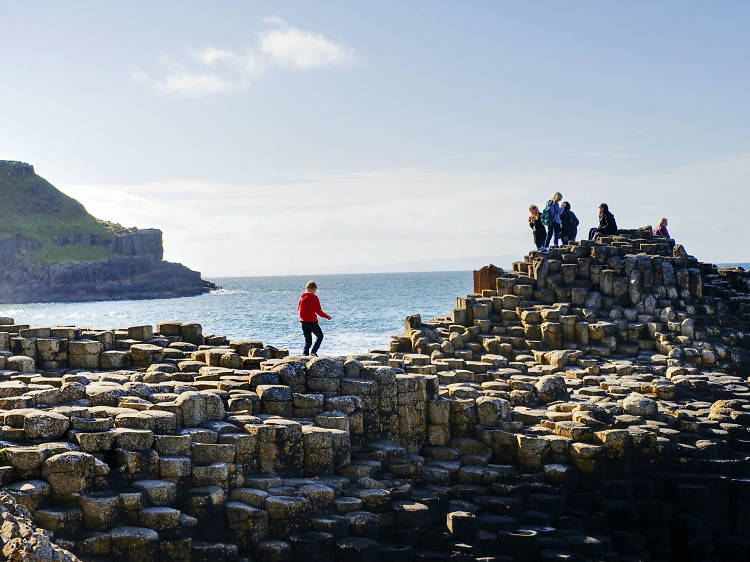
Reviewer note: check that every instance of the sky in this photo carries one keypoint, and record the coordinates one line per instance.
(340, 136)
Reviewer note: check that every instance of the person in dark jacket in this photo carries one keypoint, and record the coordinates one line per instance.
(607, 223)
(535, 222)
(569, 224)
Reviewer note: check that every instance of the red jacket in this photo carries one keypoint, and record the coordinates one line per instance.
(309, 308)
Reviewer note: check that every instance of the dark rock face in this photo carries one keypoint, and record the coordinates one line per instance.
(140, 242)
(118, 278)
(11, 247)
(122, 277)
(16, 169)
(145, 242)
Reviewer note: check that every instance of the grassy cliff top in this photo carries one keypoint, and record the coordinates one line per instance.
(32, 207)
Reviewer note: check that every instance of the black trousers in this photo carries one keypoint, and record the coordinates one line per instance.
(308, 329)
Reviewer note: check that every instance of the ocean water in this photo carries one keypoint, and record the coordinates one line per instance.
(366, 308)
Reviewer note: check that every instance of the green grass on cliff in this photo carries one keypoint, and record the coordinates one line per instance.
(52, 253)
(32, 207)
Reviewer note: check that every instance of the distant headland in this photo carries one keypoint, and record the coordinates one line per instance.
(52, 249)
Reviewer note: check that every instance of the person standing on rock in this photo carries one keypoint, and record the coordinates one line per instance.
(535, 222)
(309, 310)
(607, 223)
(551, 219)
(569, 224)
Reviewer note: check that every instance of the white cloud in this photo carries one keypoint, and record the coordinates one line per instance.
(195, 84)
(321, 223)
(210, 55)
(291, 47)
(380, 217)
(212, 70)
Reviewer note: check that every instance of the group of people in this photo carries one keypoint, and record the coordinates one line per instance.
(557, 223)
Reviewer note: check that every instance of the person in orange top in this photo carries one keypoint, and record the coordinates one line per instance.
(309, 310)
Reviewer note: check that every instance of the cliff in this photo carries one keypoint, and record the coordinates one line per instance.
(52, 249)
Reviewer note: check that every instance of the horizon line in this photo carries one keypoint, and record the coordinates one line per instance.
(209, 277)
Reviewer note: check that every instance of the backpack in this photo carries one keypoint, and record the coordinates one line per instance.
(547, 214)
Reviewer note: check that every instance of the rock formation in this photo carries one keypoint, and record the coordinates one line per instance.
(53, 250)
(591, 404)
(21, 540)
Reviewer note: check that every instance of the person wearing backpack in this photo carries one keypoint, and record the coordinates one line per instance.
(535, 222)
(569, 224)
(551, 219)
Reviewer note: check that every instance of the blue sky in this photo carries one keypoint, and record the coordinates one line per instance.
(292, 137)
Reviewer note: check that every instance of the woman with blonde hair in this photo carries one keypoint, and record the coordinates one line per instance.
(551, 219)
(661, 229)
(535, 222)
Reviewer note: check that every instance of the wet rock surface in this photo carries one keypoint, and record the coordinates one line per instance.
(591, 404)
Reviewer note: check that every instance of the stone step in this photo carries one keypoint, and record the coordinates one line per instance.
(101, 510)
(158, 493)
(214, 552)
(163, 520)
(134, 543)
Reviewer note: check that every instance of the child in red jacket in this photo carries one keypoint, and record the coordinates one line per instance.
(309, 310)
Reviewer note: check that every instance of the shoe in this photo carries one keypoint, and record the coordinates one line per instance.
(313, 355)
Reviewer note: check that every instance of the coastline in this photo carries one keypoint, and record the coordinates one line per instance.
(367, 308)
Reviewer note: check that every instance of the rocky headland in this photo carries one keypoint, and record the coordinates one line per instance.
(52, 249)
(591, 404)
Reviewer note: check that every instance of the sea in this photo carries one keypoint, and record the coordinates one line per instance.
(366, 309)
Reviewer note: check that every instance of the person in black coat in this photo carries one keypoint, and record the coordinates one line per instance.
(535, 222)
(607, 223)
(569, 222)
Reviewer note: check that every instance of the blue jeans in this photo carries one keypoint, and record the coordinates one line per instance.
(553, 229)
